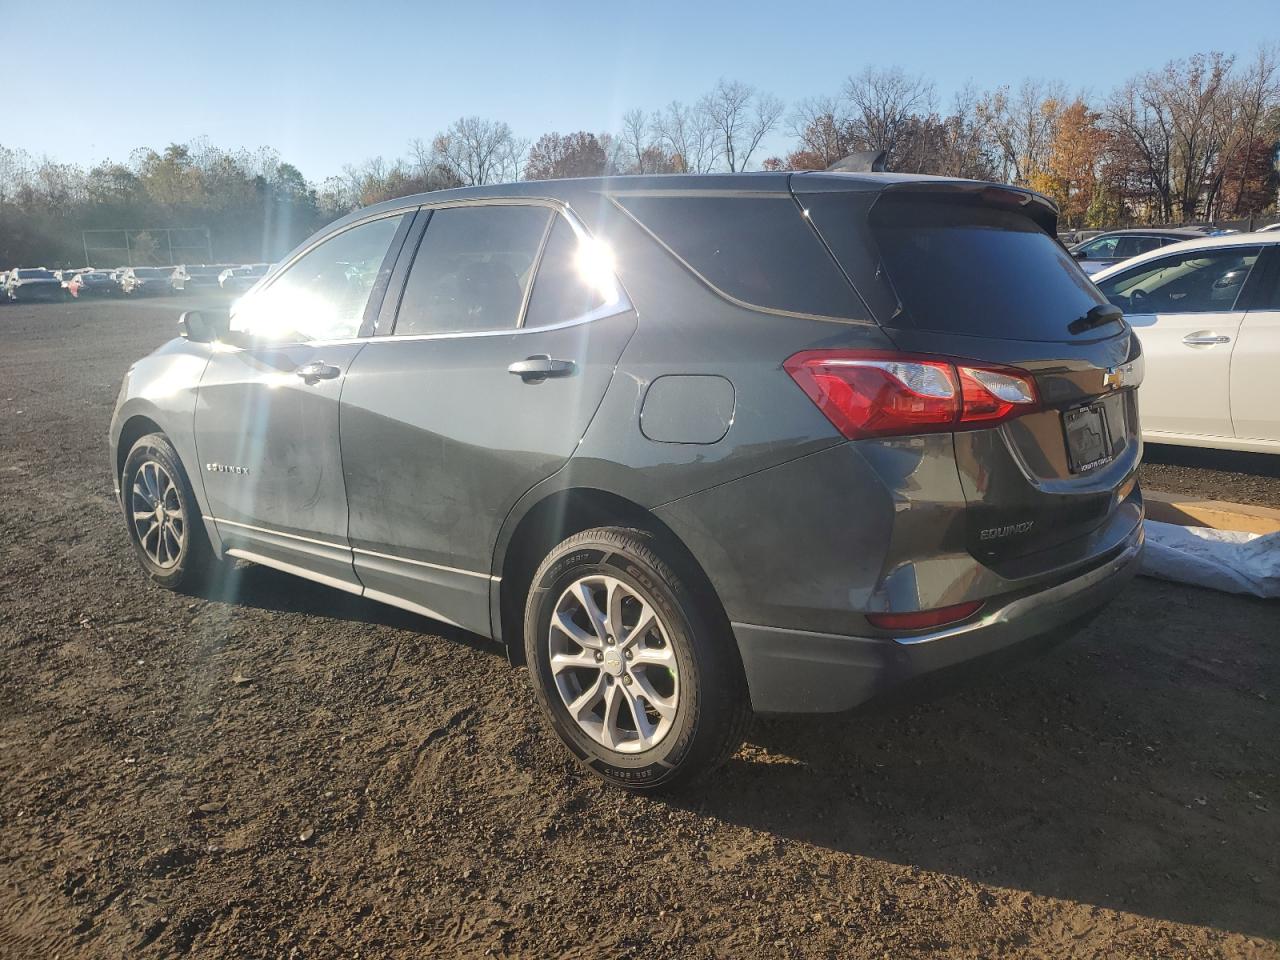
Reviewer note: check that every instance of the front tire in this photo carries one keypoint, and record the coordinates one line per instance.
(163, 518)
(640, 681)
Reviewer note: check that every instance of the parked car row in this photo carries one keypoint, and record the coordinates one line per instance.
(40, 283)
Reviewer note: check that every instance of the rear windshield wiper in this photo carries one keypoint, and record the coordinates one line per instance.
(1096, 317)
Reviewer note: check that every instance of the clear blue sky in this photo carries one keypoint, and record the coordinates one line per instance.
(332, 83)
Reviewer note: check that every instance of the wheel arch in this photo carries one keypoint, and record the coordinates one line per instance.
(526, 540)
(137, 418)
(132, 430)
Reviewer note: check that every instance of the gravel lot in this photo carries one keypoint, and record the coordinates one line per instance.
(1252, 478)
(292, 772)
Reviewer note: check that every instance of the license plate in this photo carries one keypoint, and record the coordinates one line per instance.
(1088, 439)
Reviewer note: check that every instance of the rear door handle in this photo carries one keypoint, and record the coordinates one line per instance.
(1202, 340)
(318, 370)
(537, 368)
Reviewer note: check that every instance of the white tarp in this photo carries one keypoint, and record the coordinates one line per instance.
(1226, 560)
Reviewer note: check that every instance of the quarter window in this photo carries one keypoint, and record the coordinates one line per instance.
(323, 294)
(472, 269)
(760, 250)
(1195, 281)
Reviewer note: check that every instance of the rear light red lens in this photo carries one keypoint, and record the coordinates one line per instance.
(867, 393)
(923, 619)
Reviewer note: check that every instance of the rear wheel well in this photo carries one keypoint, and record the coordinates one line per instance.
(134, 429)
(559, 517)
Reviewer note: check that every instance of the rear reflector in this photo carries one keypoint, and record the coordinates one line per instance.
(923, 619)
(871, 393)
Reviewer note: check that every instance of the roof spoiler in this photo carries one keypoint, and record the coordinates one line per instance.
(860, 161)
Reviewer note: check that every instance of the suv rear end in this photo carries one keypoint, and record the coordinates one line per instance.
(977, 487)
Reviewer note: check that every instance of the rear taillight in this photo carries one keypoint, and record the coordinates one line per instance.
(871, 393)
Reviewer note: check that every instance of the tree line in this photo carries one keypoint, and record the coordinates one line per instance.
(1194, 140)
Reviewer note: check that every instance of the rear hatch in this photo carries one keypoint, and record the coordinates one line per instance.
(974, 271)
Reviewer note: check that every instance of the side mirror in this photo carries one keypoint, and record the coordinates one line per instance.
(195, 327)
(1080, 255)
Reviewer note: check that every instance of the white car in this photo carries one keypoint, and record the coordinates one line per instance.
(1207, 312)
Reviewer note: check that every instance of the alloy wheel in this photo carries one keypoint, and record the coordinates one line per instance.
(159, 521)
(613, 664)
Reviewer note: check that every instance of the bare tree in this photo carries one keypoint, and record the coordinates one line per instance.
(635, 142)
(824, 132)
(687, 135)
(741, 117)
(1021, 125)
(1252, 105)
(480, 151)
(881, 104)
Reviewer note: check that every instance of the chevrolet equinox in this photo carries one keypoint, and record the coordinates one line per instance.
(690, 446)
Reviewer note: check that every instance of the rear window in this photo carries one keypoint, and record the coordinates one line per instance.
(759, 250)
(958, 267)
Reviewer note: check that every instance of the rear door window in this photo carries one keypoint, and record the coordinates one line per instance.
(758, 250)
(570, 283)
(960, 267)
(471, 270)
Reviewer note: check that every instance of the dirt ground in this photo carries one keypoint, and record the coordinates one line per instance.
(292, 772)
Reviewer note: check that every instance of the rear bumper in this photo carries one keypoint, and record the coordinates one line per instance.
(797, 671)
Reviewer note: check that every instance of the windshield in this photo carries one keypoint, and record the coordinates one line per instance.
(151, 273)
(35, 275)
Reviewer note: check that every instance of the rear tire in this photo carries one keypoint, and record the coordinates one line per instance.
(640, 681)
(163, 518)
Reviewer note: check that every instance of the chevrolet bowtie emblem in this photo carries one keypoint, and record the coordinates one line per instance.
(1114, 377)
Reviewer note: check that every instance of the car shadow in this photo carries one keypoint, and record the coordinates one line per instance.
(1111, 772)
(1133, 768)
(264, 588)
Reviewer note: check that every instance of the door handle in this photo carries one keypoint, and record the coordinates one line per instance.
(318, 370)
(1201, 340)
(537, 368)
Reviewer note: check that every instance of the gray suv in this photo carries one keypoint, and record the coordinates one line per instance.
(689, 447)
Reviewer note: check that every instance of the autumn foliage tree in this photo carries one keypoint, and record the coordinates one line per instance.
(578, 154)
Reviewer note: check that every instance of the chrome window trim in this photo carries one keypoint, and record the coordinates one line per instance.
(624, 304)
(604, 311)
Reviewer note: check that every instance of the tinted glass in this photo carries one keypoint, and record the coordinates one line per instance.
(471, 269)
(563, 288)
(1265, 294)
(1100, 248)
(34, 275)
(760, 250)
(1127, 247)
(963, 268)
(1195, 281)
(322, 295)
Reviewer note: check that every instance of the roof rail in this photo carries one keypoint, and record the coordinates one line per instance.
(860, 161)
